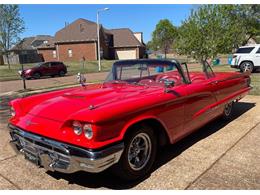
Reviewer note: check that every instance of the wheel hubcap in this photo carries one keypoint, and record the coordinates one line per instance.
(228, 108)
(247, 67)
(139, 151)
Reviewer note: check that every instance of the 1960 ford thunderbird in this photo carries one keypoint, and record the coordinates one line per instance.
(119, 124)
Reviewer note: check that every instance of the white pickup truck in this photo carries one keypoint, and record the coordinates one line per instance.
(247, 58)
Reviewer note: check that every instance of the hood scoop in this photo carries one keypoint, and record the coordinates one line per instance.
(82, 93)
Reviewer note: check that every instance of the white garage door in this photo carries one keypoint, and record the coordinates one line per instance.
(126, 54)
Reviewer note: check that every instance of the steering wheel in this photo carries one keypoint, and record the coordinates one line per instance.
(163, 78)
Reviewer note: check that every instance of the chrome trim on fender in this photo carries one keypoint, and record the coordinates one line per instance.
(57, 156)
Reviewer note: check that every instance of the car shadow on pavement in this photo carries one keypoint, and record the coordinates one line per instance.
(107, 180)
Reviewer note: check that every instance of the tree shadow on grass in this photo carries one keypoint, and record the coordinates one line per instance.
(107, 180)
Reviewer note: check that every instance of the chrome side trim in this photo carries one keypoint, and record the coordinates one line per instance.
(57, 156)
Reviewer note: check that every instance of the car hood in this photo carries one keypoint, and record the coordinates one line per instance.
(32, 68)
(81, 101)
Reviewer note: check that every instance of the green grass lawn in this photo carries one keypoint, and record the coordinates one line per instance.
(73, 68)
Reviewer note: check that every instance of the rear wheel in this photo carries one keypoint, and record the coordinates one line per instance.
(139, 154)
(247, 67)
(227, 113)
(61, 73)
(36, 75)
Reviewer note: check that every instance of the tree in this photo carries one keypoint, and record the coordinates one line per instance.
(215, 29)
(11, 26)
(163, 36)
(250, 16)
(149, 45)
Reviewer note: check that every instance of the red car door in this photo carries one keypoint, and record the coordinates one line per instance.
(173, 111)
(45, 69)
(197, 112)
(56, 67)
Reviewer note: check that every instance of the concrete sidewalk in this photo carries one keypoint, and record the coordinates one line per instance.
(221, 155)
(16, 85)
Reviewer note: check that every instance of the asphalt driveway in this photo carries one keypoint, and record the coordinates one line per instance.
(221, 155)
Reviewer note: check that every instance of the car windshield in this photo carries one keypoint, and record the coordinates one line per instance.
(144, 71)
(39, 64)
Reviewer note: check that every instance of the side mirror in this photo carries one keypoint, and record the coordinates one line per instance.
(81, 79)
(168, 84)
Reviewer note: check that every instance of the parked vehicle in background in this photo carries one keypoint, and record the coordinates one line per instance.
(247, 58)
(45, 69)
(142, 105)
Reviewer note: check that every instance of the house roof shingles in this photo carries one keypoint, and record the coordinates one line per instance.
(24, 44)
(79, 30)
(124, 37)
(84, 30)
(49, 44)
(32, 43)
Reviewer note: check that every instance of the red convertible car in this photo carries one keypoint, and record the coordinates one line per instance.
(119, 124)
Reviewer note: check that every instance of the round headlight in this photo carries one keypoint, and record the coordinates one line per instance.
(77, 127)
(88, 132)
(28, 71)
(12, 111)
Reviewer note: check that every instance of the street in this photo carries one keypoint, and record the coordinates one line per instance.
(16, 85)
(221, 155)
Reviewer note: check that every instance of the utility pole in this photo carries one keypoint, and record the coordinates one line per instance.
(98, 37)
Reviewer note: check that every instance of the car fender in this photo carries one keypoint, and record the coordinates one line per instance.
(140, 119)
(246, 60)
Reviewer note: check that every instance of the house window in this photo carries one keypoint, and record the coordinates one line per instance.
(70, 53)
(54, 54)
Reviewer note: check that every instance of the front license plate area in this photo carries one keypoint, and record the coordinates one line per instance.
(32, 158)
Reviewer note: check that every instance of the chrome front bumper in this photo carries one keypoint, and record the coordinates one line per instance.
(57, 156)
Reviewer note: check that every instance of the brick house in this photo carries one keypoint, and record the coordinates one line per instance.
(26, 50)
(127, 45)
(79, 39)
(48, 51)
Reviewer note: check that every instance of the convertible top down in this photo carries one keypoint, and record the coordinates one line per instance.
(143, 104)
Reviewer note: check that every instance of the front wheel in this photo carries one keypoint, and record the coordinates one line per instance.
(247, 67)
(139, 154)
(36, 75)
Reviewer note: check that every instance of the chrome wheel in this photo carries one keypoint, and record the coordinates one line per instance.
(139, 152)
(247, 67)
(228, 109)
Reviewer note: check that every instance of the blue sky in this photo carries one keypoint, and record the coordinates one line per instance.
(47, 19)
